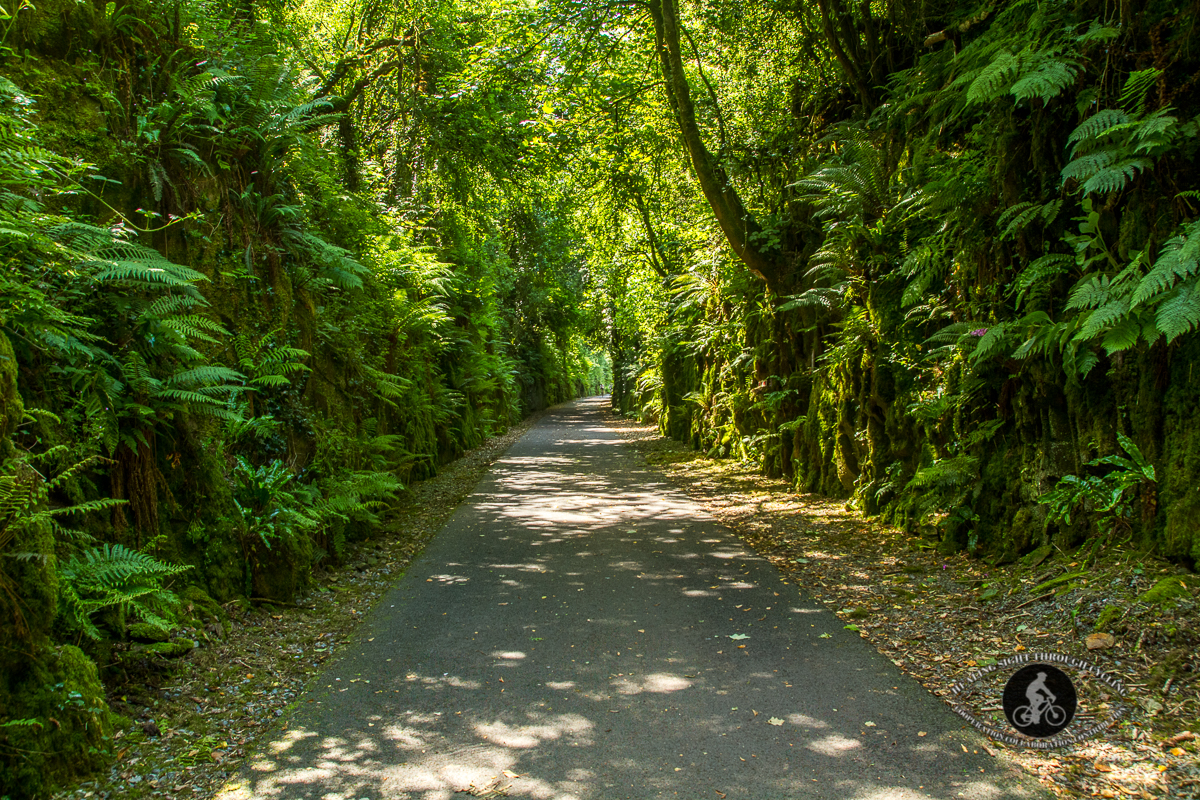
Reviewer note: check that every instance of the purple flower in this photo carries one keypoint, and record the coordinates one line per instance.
(979, 331)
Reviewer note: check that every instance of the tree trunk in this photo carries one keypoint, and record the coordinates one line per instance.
(735, 221)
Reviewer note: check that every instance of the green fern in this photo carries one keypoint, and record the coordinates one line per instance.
(113, 576)
(1121, 335)
(1047, 80)
(266, 364)
(1104, 317)
(1114, 177)
(989, 83)
(991, 343)
(194, 326)
(335, 264)
(1040, 271)
(1179, 312)
(1091, 292)
(947, 473)
(1137, 88)
(1179, 258)
(1016, 218)
(1095, 126)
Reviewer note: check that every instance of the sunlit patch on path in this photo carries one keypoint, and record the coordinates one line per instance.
(581, 631)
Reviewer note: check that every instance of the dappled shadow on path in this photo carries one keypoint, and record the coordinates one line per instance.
(580, 631)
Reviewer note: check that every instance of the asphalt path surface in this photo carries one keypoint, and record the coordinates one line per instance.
(582, 630)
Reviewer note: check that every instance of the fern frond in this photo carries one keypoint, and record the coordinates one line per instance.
(1115, 177)
(194, 326)
(1040, 270)
(1104, 318)
(1179, 258)
(340, 267)
(207, 374)
(947, 473)
(988, 84)
(1179, 313)
(1047, 81)
(1087, 165)
(1137, 86)
(1121, 336)
(991, 343)
(1154, 132)
(172, 303)
(1096, 125)
(822, 297)
(112, 575)
(1091, 292)
(270, 380)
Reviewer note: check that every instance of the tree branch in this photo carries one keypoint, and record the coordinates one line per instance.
(860, 86)
(711, 93)
(657, 260)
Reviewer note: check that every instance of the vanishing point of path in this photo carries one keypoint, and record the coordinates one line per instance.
(581, 630)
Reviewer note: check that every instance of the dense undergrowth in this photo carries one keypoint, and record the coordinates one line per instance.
(965, 297)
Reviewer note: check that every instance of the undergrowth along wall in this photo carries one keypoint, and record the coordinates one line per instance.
(961, 291)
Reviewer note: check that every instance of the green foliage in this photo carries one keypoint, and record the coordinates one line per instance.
(273, 507)
(112, 576)
(1108, 498)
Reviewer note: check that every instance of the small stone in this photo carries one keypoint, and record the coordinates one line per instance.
(1100, 641)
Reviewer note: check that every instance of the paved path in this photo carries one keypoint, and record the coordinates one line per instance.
(582, 631)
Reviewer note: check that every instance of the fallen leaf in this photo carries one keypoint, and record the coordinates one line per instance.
(738, 636)
(1177, 751)
(869, 725)
(774, 721)
(825, 636)
(1101, 767)
(1100, 641)
(922, 733)
(964, 747)
(508, 773)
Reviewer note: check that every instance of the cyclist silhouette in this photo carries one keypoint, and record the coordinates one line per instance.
(1039, 697)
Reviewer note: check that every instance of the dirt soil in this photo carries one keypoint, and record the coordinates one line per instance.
(191, 721)
(939, 618)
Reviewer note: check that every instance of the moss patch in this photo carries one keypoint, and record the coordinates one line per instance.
(172, 649)
(1108, 616)
(1169, 589)
(145, 632)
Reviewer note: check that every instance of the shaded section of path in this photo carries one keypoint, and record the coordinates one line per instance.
(582, 630)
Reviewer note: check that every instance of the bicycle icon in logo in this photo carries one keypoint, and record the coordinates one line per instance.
(1049, 700)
